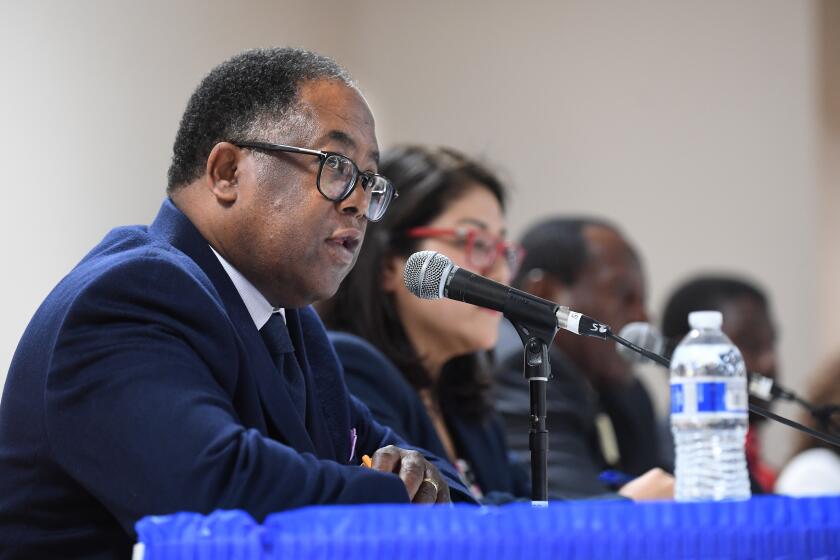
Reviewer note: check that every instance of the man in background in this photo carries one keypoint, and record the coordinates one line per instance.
(599, 415)
(179, 367)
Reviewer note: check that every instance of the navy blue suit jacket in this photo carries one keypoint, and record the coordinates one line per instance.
(142, 386)
(377, 382)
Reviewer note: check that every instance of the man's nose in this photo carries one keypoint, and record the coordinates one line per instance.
(636, 312)
(767, 364)
(642, 315)
(358, 202)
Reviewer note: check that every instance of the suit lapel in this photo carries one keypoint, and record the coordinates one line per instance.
(329, 413)
(285, 424)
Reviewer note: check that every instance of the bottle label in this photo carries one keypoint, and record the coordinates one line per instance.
(723, 398)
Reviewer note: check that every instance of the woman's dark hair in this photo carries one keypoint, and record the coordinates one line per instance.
(427, 180)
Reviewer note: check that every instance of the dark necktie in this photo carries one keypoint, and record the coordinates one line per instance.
(276, 337)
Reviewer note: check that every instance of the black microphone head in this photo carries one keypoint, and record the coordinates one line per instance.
(425, 274)
(641, 334)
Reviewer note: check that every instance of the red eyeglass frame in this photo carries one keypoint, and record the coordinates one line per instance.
(503, 248)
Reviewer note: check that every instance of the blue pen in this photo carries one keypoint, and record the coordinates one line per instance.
(615, 479)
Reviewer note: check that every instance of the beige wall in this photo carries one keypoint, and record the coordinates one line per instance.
(696, 125)
(829, 277)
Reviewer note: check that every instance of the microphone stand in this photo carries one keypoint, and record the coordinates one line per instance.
(537, 370)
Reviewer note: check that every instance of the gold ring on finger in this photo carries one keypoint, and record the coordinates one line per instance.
(433, 483)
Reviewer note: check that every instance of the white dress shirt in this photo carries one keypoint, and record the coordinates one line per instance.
(258, 307)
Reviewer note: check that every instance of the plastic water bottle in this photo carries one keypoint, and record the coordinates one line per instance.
(709, 413)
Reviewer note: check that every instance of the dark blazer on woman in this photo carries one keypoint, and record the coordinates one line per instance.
(376, 381)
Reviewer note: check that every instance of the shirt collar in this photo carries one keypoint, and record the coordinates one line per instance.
(258, 307)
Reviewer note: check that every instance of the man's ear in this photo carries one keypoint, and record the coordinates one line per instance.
(392, 274)
(221, 172)
(545, 285)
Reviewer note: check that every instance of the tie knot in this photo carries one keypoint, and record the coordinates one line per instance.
(276, 335)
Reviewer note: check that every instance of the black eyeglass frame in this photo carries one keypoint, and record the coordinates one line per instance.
(324, 156)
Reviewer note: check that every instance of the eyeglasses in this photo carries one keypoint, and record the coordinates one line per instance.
(338, 176)
(482, 248)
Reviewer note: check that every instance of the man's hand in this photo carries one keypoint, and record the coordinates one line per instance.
(655, 484)
(421, 478)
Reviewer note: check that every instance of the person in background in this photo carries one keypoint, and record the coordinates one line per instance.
(179, 366)
(815, 467)
(599, 415)
(748, 322)
(423, 367)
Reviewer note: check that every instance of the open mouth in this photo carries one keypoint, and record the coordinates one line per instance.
(347, 241)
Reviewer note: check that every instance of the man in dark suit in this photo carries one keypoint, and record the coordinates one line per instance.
(178, 366)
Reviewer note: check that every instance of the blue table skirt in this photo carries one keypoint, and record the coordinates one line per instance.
(763, 527)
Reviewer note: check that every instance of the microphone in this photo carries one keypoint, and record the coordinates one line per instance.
(432, 275)
(651, 339)
(645, 335)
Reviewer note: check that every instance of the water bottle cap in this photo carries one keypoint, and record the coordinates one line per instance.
(705, 319)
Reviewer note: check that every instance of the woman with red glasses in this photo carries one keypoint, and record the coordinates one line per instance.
(423, 367)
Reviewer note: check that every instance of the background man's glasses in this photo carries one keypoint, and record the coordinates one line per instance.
(338, 175)
(481, 248)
